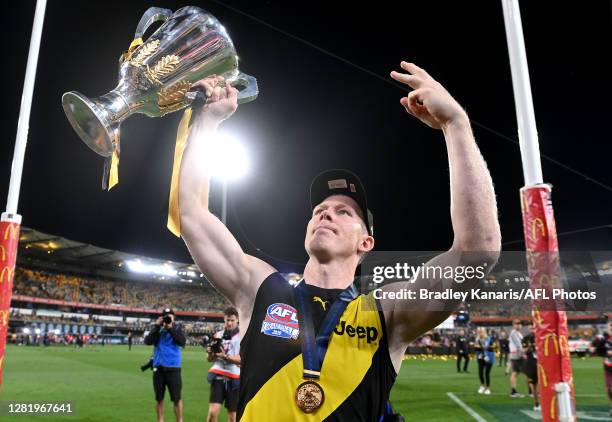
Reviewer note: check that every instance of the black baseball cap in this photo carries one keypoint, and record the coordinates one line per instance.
(167, 311)
(341, 182)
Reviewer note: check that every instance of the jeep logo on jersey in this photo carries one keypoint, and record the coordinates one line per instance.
(368, 333)
(281, 321)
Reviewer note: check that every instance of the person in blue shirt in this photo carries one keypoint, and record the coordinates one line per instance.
(168, 340)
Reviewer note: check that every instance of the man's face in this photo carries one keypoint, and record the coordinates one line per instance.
(231, 321)
(336, 229)
(461, 332)
(517, 326)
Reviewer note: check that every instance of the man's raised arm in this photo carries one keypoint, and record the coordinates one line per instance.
(477, 239)
(214, 249)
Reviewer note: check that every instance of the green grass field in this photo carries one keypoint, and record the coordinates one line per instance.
(105, 384)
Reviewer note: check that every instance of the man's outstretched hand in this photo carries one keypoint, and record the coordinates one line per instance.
(429, 101)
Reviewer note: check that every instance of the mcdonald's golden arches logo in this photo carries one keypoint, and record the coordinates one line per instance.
(531, 259)
(564, 345)
(535, 223)
(543, 280)
(542, 375)
(6, 274)
(13, 230)
(547, 337)
(553, 407)
(3, 251)
(4, 318)
(537, 318)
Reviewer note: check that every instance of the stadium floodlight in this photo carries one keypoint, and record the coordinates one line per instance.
(137, 266)
(26, 330)
(226, 157)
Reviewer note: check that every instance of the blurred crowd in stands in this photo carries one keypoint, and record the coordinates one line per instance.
(196, 327)
(135, 294)
(57, 324)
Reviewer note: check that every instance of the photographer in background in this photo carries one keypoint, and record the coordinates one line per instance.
(168, 340)
(224, 375)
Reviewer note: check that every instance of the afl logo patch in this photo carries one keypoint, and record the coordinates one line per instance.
(281, 321)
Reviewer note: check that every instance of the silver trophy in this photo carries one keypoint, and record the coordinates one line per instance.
(155, 76)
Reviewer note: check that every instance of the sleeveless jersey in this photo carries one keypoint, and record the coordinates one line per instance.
(357, 372)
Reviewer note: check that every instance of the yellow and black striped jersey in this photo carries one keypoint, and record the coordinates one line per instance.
(357, 373)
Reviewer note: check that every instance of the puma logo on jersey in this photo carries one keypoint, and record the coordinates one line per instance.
(318, 299)
(369, 333)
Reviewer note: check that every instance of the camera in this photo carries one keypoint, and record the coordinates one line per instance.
(213, 343)
(462, 319)
(166, 318)
(148, 365)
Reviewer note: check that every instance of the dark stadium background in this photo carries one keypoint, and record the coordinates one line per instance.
(320, 110)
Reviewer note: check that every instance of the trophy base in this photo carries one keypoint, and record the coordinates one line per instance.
(91, 126)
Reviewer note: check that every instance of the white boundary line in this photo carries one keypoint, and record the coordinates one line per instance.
(465, 407)
(602, 396)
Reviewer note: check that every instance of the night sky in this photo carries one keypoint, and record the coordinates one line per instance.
(333, 106)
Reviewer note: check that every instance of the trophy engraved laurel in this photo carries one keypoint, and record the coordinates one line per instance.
(155, 75)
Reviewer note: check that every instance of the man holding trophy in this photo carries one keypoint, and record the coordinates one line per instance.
(348, 376)
(320, 349)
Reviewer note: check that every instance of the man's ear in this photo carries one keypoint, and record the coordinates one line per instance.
(366, 244)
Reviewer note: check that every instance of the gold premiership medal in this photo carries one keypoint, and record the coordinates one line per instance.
(309, 396)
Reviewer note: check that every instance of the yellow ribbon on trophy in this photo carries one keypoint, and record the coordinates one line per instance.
(174, 217)
(113, 169)
(133, 46)
(110, 174)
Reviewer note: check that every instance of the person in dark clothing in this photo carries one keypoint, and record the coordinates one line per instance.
(129, 339)
(608, 363)
(356, 369)
(168, 340)
(462, 345)
(504, 349)
(599, 345)
(530, 368)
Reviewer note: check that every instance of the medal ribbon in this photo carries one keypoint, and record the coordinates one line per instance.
(315, 348)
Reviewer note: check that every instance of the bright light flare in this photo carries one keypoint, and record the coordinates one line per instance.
(138, 266)
(226, 158)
